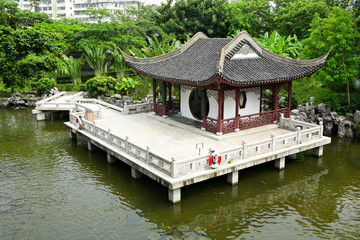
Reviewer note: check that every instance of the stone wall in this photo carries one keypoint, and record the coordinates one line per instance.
(334, 124)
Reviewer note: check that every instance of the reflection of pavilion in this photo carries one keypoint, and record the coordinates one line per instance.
(228, 84)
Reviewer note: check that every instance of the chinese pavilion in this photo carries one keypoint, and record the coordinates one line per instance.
(228, 84)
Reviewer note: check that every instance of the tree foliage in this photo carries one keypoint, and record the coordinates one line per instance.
(287, 46)
(25, 54)
(253, 16)
(191, 16)
(339, 31)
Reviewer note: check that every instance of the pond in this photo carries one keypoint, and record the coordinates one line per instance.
(53, 188)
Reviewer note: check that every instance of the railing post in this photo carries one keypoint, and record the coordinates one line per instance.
(281, 121)
(244, 148)
(147, 155)
(273, 147)
(109, 136)
(321, 129)
(173, 170)
(298, 135)
(291, 123)
(127, 144)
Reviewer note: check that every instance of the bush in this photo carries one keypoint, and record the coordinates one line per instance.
(4, 91)
(44, 85)
(101, 86)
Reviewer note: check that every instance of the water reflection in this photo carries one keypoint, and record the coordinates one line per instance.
(50, 184)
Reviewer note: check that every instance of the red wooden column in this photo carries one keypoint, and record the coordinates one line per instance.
(220, 111)
(289, 99)
(275, 100)
(154, 95)
(179, 98)
(170, 98)
(237, 101)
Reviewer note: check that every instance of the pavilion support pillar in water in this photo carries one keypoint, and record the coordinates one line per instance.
(280, 163)
(135, 174)
(40, 116)
(319, 151)
(72, 135)
(174, 195)
(91, 147)
(110, 158)
(233, 178)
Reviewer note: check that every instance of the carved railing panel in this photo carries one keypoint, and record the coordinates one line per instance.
(256, 120)
(210, 124)
(160, 110)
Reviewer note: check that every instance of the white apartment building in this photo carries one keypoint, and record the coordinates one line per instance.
(80, 6)
(24, 5)
(75, 9)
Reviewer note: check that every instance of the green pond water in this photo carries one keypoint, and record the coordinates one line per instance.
(54, 188)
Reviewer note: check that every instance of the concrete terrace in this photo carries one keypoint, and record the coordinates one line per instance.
(166, 149)
(171, 139)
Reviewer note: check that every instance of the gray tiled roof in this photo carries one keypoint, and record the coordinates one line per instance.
(202, 59)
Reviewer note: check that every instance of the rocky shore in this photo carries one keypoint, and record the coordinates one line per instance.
(19, 100)
(334, 124)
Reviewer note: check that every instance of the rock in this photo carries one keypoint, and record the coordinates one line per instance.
(356, 116)
(328, 125)
(4, 102)
(333, 115)
(126, 98)
(303, 116)
(312, 100)
(301, 108)
(350, 117)
(295, 112)
(116, 96)
(323, 109)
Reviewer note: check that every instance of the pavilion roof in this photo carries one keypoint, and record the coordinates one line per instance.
(237, 61)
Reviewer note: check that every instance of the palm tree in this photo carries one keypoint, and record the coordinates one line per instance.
(73, 67)
(96, 58)
(121, 67)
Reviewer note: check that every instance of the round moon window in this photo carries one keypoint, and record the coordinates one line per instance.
(196, 103)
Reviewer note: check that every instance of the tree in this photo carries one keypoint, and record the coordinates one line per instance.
(192, 16)
(339, 31)
(98, 14)
(96, 58)
(294, 17)
(25, 54)
(73, 67)
(253, 16)
(288, 46)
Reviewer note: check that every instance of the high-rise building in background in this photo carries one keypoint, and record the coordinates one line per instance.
(75, 9)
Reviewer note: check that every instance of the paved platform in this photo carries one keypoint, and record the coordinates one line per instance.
(171, 139)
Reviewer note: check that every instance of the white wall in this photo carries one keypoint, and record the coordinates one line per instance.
(229, 104)
(252, 102)
(184, 101)
(213, 104)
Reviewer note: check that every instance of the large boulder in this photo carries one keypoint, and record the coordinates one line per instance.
(328, 125)
(356, 116)
(323, 109)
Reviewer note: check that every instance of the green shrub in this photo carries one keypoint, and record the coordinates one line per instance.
(101, 86)
(44, 85)
(4, 92)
